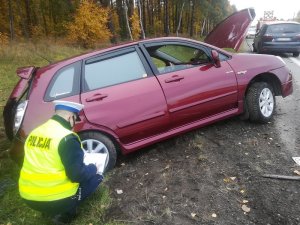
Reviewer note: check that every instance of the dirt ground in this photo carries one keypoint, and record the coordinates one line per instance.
(207, 177)
(214, 175)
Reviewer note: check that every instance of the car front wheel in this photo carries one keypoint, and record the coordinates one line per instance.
(95, 142)
(260, 100)
(296, 54)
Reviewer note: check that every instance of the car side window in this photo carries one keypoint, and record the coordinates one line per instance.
(65, 83)
(172, 57)
(114, 70)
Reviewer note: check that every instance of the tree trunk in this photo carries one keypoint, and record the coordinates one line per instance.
(11, 21)
(28, 18)
(192, 18)
(166, 20)
(150, 17)
(179, 22)
(25, 32)
(111, 27)
(127, 20)
(140, 15)
(203, 26)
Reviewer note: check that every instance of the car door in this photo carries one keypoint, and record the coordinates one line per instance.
(121, 94)
(194, 88)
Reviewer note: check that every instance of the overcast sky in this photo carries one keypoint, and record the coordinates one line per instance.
(283, 9)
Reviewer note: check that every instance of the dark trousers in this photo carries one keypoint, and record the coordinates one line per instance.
(67, 205)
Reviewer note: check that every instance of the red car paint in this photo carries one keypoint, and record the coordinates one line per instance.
(231, 32)
(157, 106)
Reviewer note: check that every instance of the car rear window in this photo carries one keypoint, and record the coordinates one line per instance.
(65, 83)
(283, 28)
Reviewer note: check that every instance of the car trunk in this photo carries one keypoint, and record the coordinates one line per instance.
(19, 92)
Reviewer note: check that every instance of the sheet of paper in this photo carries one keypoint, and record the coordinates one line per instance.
(95, 158)
(297, 160)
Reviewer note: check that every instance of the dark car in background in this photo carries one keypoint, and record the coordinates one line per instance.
(139, 93)
(278, 37)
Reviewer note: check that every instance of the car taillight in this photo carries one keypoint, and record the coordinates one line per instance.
(267, 37)
(20, 111)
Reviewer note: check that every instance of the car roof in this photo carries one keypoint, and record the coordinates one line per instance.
(281, 22)
(87, 55)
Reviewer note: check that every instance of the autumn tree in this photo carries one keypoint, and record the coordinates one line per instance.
(135, 25)
(90, 25)
(87, 22)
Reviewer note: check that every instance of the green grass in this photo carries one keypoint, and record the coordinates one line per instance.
(12, 210)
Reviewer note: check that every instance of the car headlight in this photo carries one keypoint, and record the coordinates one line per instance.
(20, 111)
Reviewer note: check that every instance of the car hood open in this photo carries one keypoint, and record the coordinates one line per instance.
(231, 32)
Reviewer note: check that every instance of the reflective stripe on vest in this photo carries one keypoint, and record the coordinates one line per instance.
(43, 176)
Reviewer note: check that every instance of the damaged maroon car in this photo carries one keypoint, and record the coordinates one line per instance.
(139, 93)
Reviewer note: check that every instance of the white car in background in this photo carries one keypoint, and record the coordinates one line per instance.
(251, 32)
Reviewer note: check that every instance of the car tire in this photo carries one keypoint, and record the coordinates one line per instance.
(259, 49)
(296, 54)
(99, 143)
(261, 103)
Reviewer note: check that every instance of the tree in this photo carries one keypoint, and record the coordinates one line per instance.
(135, 26)
(166, 18)
(11, 21)
(89, 26)
(140, 19)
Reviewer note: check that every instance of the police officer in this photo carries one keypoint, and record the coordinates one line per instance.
(53, 179)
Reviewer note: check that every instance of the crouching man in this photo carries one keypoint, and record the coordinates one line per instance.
(54, 179)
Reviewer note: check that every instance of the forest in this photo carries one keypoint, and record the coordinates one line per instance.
(88, 22)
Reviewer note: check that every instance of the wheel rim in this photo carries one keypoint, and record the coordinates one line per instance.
(266, 102)
(95, 146)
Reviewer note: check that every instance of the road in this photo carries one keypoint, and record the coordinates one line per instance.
(288, 111)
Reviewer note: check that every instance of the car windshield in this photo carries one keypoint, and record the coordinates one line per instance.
(284, 28)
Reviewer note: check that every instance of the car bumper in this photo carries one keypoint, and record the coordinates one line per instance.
(281, 47)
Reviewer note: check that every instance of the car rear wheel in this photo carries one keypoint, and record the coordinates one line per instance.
(95, 142)
(261, 102)
(296, 54)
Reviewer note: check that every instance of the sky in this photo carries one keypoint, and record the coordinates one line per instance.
(283, 9)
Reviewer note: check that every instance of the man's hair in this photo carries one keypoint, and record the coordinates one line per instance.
(64, 113)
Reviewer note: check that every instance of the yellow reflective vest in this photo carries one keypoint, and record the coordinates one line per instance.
(43, 176)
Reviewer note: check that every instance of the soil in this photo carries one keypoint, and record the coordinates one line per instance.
(214, 175)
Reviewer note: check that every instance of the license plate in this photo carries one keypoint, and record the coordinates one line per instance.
(283, 39)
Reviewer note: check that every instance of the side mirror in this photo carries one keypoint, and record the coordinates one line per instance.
(216, 58)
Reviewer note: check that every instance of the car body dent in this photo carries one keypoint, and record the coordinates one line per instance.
(231, 32)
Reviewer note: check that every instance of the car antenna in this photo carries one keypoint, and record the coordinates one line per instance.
(49, 61)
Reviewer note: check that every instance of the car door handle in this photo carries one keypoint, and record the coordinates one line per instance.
(174, 78)
(96, 97)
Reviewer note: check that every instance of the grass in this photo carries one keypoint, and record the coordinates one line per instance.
(12, 209)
